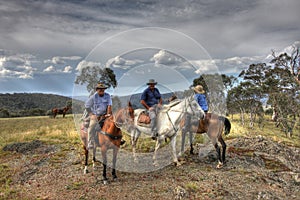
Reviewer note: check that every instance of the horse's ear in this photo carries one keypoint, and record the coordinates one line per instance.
(129, 104)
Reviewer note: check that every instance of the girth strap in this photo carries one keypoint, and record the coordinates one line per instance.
(114, 137)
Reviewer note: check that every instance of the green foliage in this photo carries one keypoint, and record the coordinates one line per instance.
(91, 75)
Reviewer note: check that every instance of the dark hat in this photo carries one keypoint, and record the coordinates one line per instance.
(101, 86)
(151, 81)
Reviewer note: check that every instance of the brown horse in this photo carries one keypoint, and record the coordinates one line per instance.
(213, 125)
(62, 111)
(109, 137)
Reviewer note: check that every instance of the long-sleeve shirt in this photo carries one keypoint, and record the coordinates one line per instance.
(98, 104)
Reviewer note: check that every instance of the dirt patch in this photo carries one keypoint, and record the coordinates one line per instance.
(23, 147)
(256, 168)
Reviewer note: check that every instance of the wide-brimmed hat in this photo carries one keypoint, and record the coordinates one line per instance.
(151, 81)
(101, 86)
(199, 89)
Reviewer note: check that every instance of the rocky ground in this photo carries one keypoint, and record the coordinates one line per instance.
(256, 168)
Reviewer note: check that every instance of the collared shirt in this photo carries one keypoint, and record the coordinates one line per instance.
(151, 97)
(201, 99)
(98, 104)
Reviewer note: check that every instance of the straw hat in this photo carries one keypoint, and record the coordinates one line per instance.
(151, 81)
(101, 86)
(199, 89)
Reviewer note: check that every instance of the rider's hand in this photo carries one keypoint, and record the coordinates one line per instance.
(107, 115)
(151, 108)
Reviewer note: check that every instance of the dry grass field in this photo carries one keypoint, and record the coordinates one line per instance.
(42, 158)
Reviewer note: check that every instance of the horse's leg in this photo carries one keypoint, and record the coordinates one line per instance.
(223, 148)
(86, 153)
(115, 153)
(191, 143)
(94, 157)
(215, 143)
(134, 138)
(104, 157)
(158, 143)
(220, 164)
(183, 134)
(173, 144)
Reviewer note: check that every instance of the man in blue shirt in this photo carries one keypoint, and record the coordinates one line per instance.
(151, 100)
(98, 106)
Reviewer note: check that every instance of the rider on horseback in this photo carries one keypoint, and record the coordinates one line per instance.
(98, 106)
(201, 98)
(151, 100)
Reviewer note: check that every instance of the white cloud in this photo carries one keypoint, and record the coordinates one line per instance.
(166, 58)
(51, 68)
(67, 69)
(232, 65)
(83, 64)
(119, 62)
(16, 65)
(57, 60)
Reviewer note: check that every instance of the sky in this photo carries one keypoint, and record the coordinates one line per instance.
(44, 45)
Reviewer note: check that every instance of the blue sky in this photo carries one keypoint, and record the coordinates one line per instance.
(44, 44)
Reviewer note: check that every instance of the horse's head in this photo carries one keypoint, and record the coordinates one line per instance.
(125, 116)
(130, 111)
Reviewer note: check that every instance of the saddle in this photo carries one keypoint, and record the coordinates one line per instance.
(144, 118)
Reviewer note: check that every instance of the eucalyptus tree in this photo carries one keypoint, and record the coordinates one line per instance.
(91, 75)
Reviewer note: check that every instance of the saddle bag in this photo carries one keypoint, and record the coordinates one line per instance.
(144, 118)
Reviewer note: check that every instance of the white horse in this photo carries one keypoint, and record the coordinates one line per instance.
(167, 124)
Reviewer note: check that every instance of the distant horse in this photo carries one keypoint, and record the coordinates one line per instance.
(167, 123)
(109, 137)
(62, 111)
(213, 125)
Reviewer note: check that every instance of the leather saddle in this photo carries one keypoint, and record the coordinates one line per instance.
(144, 118)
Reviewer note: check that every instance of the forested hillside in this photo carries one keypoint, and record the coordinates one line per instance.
(29, 104)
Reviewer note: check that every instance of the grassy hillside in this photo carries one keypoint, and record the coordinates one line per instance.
(30, 104)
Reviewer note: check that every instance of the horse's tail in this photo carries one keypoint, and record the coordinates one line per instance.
(227, 124)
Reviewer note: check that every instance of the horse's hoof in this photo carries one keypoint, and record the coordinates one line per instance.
(220, 165)
(85, 171)
(105, 182)
(177, 164)
(155, 164)
(115, 179)
(122, 142)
